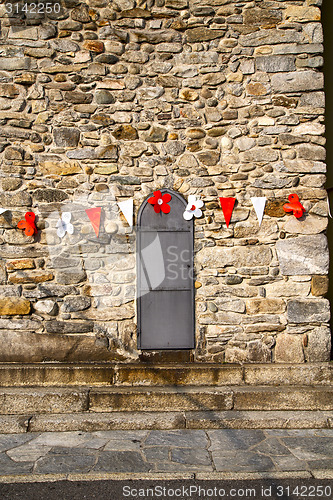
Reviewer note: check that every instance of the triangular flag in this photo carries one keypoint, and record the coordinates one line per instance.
(127, 209)
(227, 205)
(259, 207)
(94, 215)
(3, 210)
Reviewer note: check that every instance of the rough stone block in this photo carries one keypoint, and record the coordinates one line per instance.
(203, 34)
(66, 137)
(50, 195)
(47, 306)
(23, 345)
(30, 277)
(20, 264)
(298, 81)
(319, 345)
(264, 155)
(289, 349)
(255, 352)
(15, 200)
(17, 63)
(303, 255)
(263, 306)
(262, 16)
(319, 285)
(308, 311)
(59, 167)
(14, 305)
(275, 64)
(310, 225)
(71, 277)
(298, 13)
(271, 37)
(260, 255)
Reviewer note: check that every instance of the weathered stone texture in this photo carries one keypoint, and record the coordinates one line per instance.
(308, 311)
(289, 349)
(303, 255)
(318, 345)
(110, 101)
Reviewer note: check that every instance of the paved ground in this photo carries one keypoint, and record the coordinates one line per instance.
(149, 453)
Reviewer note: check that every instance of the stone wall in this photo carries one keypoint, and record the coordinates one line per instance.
(109, 100)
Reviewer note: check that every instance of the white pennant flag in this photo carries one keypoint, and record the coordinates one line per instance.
(127, 209)
(329, 208)
(259, 206)
(3, 210)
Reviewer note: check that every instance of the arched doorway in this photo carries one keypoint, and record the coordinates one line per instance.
(165, 280)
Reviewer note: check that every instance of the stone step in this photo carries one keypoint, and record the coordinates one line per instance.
(230, 419)
(210, 398)
(171, 374)
(51, 400)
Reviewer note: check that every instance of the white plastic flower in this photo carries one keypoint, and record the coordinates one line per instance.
(64, 226)
(193, 208)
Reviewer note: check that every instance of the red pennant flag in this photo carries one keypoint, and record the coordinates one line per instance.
(94, 215)
(227, 205)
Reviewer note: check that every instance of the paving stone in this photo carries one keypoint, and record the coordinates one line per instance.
(271, 447)
(233, 440)
(290, 463)
(64, 464)
(29, 452)
(80, 451)
(320, 464)
(10, 441)
(241, 462)
(67, 439)
(121, 461)
(116, 435)
(309, 448)
(192, 456)
(94, 443)
(156, 453)
(9, 467)
(180, 438)
(123, 445)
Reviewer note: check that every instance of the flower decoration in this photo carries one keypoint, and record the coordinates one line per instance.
(160, 202)
(64, 225)
(294, 206)
(28, 224)
(193, 208)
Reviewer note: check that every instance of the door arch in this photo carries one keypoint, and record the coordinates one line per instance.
(165, 277)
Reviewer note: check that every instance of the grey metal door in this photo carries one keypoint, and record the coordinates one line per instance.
(165, 287)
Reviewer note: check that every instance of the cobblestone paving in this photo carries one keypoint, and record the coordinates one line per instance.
(222, 450)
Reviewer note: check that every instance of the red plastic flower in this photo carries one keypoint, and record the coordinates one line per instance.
(294, 206)
(160, 202)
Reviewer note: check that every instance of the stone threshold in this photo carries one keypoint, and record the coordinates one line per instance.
(135, 420)
(163, 374)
